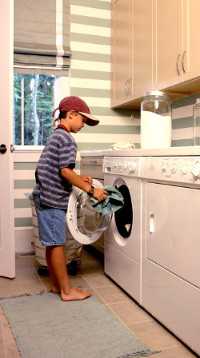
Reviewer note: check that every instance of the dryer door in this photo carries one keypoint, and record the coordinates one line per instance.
(84, 222)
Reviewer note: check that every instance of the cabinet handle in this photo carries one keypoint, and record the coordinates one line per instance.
(126, 90)
(151, 223)
(177, 64)
(183, 61)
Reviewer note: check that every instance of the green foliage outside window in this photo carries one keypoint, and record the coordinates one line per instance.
(33, 105)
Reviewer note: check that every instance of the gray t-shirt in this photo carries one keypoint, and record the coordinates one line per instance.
(60, 152)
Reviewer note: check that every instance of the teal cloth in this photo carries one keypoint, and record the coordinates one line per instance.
(112, 203)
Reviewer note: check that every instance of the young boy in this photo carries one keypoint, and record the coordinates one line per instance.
(55, 176)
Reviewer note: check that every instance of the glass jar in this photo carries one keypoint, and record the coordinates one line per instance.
(196, 123)
(156, 120)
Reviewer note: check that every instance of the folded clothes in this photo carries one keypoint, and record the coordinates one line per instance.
(123, 146)
(113, 202)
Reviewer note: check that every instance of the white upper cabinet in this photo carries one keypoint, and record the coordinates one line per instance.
(155, 45)
(143, 71)
(168, 42)
(191, 40)
(177, 42)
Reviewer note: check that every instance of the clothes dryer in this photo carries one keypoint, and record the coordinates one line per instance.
(171, 245)
(122, 247)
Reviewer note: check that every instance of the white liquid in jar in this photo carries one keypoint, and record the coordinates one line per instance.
(155, 130)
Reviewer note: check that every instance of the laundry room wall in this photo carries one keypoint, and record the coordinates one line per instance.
(90, 75)
(89, 79)
(183, 121)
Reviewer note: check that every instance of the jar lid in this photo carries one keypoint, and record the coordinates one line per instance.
(156, 93)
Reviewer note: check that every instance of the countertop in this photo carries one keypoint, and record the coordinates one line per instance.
(157, 152)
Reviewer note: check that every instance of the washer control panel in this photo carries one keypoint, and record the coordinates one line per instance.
(123, 166)
(173, 169)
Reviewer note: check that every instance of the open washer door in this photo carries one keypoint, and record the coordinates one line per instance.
(84, 223)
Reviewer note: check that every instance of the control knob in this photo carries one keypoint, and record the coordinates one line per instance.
(196, 170)
(132, 167)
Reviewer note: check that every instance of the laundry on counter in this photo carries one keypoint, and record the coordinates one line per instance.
(123, 146)
(111, 204)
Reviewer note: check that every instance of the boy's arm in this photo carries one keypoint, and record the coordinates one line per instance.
(76, 180)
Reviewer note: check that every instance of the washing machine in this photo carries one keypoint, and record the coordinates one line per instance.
(122, 239)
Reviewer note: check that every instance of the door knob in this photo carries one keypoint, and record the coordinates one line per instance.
(3, 148)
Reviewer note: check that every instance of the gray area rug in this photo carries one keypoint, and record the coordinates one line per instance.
(27, 281)
(44, 326)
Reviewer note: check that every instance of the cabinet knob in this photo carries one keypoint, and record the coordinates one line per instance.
(3, 148)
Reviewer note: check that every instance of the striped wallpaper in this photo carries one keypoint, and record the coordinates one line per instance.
(24, 169)
(183, 121)
(90, 76)
(90, 79)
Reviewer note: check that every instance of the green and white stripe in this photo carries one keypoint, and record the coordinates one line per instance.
(183, 121)
(24, 173)
(90, 76)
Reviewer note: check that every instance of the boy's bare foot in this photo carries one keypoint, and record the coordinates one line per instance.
(75, 294)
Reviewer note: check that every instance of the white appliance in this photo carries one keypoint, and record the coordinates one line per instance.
(92, 165)
(171, 244)
(122, 246)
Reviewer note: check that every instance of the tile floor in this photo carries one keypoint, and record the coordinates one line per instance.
(132, 315)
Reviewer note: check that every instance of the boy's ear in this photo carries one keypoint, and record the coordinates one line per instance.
(71, 114)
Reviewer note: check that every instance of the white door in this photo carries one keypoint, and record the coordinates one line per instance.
(7, 247)
(173, 239)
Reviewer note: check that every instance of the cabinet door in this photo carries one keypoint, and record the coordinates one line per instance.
(168, 42)
(121, 52)
(143, 46)
(191, 49)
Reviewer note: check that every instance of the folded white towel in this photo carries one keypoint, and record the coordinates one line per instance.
(123, 145)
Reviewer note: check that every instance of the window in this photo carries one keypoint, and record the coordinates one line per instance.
(33, 105)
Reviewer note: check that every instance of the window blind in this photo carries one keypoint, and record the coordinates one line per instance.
(42, 35)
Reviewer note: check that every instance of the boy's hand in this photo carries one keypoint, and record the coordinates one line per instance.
(86, 179)
(100, 194)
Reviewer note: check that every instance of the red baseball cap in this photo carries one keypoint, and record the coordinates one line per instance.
(73, 103)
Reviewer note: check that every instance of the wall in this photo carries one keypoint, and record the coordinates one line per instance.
(182, 121)
(90, 75)
(24, 168)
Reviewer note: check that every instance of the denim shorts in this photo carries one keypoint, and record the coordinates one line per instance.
(51, 225)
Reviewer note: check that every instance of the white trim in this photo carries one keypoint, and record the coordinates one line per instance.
(59, 32)
(28, 148)
(51, 68)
